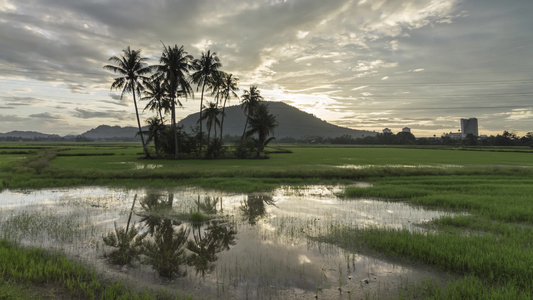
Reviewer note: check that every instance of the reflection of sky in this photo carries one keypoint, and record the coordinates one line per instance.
(273, 254)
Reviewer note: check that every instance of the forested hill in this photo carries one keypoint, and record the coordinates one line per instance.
(293, 123)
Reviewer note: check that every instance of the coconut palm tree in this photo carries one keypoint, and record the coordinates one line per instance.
(211, 113)
(206, 68)
(250, 100)
(132, 68)
(229, 89)
(174, 70)
(155, 91)
(263, 124)
(156, 128)
(217, 85)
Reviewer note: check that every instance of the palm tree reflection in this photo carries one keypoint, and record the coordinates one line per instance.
(254, 207)
(173, 245)
(208, 240)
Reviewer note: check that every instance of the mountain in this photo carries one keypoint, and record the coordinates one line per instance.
(28, 135)
(106, 132)
(293, 123)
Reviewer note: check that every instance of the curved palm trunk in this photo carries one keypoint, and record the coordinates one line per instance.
(201, 108)
(161, 116)
(245, 126)
(146, 154)
(176, 152)
(222, 121)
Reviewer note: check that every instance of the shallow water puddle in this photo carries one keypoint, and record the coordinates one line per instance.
(264, 249)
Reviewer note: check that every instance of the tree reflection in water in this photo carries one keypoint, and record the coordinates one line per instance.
(172, 244)
(126, 241)
(166, 252)
(210, 236)
(254, 207)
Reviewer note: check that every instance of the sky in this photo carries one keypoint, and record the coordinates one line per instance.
(362, 64)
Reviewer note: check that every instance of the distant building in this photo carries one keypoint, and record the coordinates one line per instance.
(454, 135)
(406, 129)
(469, 126)
(387, 131)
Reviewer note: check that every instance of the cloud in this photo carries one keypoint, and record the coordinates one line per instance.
(46, 116)
(90, 114)
(439, 57)
(22, 101)
(11, 118)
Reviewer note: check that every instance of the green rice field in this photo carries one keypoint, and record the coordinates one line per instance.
(482, 246)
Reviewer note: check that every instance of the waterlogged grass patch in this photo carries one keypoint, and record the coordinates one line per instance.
(43, 225)
(57, 277)
(490, 246)
(495, 197)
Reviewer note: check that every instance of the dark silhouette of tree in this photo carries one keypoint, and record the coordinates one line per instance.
(249, 101)
(263, 124)
(155, 92)
(229, 89)
(206, 68)
(217, 84)
(132, 68)
(470, 140)
(211, 113)
(156, 129)
(174, 68)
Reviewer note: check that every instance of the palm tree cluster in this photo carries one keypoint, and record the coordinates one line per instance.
(164, 86)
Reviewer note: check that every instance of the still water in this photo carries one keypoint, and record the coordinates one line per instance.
(257, 246)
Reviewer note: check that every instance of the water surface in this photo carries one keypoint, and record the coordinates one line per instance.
(267, 251)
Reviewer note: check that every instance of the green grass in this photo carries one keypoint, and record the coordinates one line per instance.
(119, 164)
(491, 246)
(58, 277)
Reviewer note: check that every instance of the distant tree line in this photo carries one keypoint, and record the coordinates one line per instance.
(406, 138)
(166, 84)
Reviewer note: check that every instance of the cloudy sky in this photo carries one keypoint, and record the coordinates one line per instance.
(363, 64)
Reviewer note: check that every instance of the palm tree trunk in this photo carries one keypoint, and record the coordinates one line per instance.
(176, 152)
(131, 212)
(209, 134)
(201, 108)
(244, 131)
(259, 146)
(222, 121)
(156, 144)
(161, 117)
(146, 154)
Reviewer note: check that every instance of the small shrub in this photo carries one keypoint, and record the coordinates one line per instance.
(245, 148)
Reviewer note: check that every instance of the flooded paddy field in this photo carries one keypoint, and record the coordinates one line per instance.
(212, 244)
